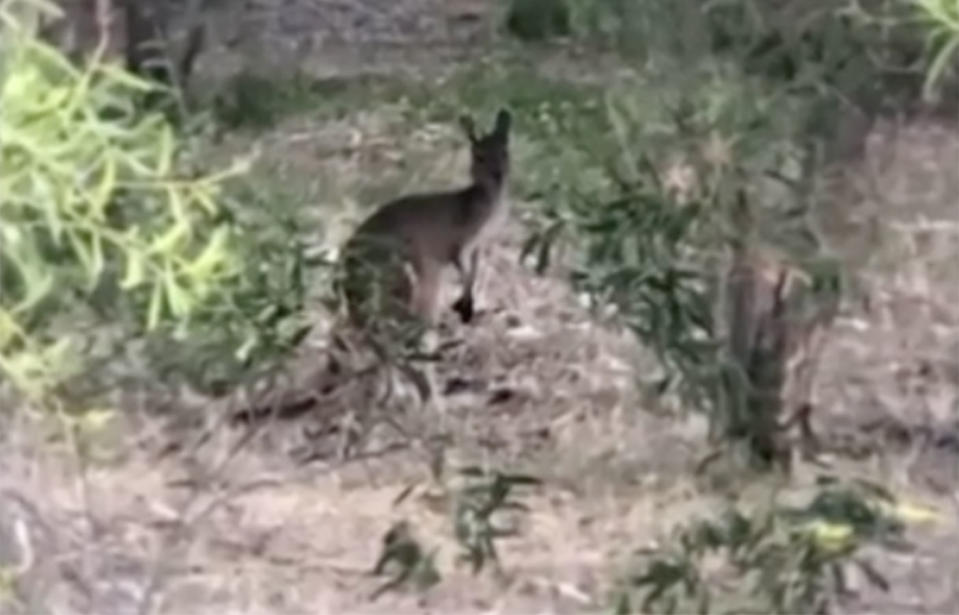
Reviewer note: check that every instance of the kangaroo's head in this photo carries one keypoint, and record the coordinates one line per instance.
(489, 153)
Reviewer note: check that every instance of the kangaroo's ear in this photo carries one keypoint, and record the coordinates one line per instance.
(503, 121)
(466, 122)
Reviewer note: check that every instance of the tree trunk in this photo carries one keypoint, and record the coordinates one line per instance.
(776, 320)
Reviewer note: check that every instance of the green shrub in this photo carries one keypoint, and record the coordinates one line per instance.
(784, 559)
(485, 506)
(740, 109)
(100, 211)
(866, 51)
(656, 210)
(939, 20)
(538, 20)
(261, 316)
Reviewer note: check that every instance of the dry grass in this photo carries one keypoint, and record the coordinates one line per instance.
(238, 521)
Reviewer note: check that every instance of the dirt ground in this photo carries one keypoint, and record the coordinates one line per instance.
(239, 521)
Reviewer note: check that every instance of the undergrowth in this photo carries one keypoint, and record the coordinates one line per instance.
(775, 558)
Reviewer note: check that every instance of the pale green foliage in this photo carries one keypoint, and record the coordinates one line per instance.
(95, 200)
(941, 21)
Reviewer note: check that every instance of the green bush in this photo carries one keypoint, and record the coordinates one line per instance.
(101, 213)
(866, 51)
(784, 559)
(740, 109)
(537, 20)
(261, 316)
(656, 211)
(939, 20)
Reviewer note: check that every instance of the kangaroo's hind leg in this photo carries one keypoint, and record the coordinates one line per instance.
(467, 266)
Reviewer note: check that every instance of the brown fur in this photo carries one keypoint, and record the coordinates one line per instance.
(393, 263)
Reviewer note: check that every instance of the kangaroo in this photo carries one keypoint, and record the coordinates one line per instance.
(393, 263)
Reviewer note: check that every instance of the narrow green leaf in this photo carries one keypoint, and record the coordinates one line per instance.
(118, 75)
(38, 286)
(204, 198)
(176, 205)
(81, 250)
(213, 255)
(177, 298)
(165, 154)
(156, 306)
(939, 65)
(135, 271)
(166, 242)
(100, 196)
(96, 260)
(243, 353)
